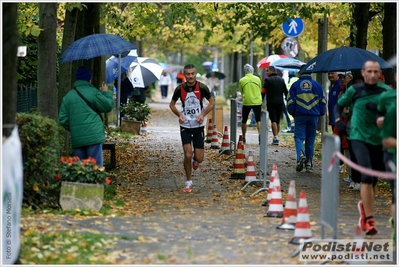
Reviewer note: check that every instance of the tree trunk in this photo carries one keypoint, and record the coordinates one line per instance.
(10, 45)
(46, 73)
(361, 17)
(389, 38)
(65, 78)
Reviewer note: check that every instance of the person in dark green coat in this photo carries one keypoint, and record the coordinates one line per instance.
(82, 118)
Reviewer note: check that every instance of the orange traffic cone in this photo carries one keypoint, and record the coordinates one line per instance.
(302, 226)
(276, 202)
(290, 210)
(239, 168)
(225, 143)
(269, 192)
(250, 174)
(215, 139)
(210, 132)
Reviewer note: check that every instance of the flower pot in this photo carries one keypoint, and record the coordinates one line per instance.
(131, 126)
(81, 195)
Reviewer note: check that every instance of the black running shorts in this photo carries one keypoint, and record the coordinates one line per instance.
(195, 135)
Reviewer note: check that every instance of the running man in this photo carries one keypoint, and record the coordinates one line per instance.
(364, 135)
(192, 119)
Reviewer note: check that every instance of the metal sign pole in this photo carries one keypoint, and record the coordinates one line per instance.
(118, 96)
(233, 125)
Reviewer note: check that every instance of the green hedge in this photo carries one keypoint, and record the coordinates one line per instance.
(39, 139)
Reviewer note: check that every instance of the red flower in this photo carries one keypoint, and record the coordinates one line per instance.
(107, 180)
(57, 177)
(69, 160)
(64, 158)
(76, 159)
(92, 160)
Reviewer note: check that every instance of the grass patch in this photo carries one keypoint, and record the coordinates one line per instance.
(65, 248)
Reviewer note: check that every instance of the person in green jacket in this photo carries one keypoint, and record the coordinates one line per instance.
(83, 119)
(251, 89)
(365, 135)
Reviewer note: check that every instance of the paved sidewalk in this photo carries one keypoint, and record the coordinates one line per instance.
(217, 223)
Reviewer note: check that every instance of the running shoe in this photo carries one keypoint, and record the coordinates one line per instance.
(309, 168)
(189, 187)
(300, 163)
(371, 229)
(275, 141)
(352, 185)
(195, 163)
(367, 225)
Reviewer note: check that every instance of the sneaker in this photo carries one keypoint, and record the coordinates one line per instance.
(275, 140)
(243, 141)
(309, 168)
(356, 187)
(195, 163)
(189, 187)
(300, 163)
(352, 185)
(371, 229)
(367, 225)
(286, 130)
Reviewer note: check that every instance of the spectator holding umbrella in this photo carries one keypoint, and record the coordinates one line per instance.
(333, 92)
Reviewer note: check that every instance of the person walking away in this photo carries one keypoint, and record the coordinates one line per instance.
(274, 88)
(306, 103)
(164, 82)
(250, 88)
(365, 135)
(213, 83)
(82, 118)
(292, 77)
(333, 92)
(192, 119)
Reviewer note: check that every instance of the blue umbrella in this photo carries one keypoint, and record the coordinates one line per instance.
(343, 59)
(96, 45)
(111, 65)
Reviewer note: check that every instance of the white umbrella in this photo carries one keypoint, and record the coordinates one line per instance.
(145, 71)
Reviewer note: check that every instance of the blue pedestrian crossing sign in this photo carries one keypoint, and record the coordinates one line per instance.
(293, 27)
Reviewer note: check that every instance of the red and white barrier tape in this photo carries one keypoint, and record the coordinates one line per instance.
(361, 169)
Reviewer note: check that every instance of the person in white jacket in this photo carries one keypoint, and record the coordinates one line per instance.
(164, 82)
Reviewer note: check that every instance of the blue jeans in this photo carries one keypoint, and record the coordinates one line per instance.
(305, 130)
(164, 90)
(94, 151)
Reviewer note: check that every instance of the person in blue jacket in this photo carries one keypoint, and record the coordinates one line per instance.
(333, 92)
(306, 103)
